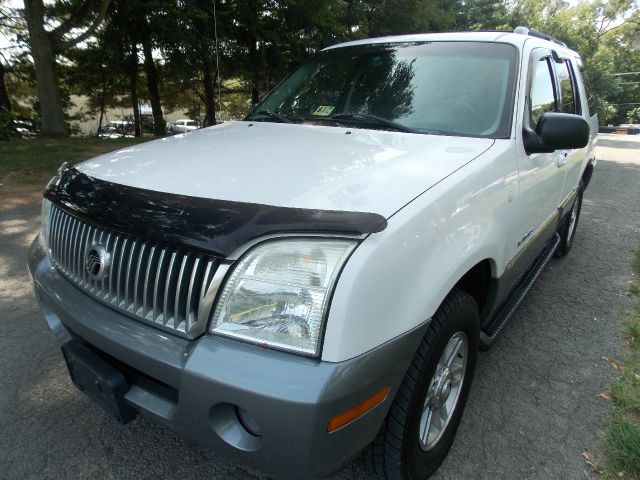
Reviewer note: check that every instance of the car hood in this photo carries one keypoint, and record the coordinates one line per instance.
(291, 165)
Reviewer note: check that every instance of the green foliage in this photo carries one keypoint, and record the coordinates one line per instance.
(636, 262)
(483, 15)
(622, 440)
(607, 113)
(622, 430)
(7, 126)
(394, 17)
(633, 116)
(605, 33)
(631, 330)
(260, 41)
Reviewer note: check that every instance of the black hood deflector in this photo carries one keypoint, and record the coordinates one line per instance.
(213, 226)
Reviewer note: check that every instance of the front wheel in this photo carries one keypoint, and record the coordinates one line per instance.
(424, 417)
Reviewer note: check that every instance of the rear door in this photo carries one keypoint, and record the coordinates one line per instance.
(569, 161)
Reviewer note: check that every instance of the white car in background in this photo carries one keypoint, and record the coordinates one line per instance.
(183, 125)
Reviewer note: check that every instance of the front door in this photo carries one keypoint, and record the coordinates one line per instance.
(540, 175)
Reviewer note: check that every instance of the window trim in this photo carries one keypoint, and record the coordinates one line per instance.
(537, 55)
(576, 90)
(574, 86)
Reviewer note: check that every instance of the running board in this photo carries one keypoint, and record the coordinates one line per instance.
(489, 334)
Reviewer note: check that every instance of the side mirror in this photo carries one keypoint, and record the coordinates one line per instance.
(556, 131)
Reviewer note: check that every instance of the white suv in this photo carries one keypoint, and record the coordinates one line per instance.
(325, 280)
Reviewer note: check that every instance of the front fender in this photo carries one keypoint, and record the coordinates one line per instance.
(396, 279)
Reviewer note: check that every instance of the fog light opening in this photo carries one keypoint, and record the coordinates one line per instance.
(248, 422)
(236, 427)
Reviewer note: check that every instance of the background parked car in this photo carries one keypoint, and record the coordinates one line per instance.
(116, 129)
(183, 125)
(25, 127)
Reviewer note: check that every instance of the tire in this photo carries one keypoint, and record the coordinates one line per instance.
(570, 225)
(400, 451)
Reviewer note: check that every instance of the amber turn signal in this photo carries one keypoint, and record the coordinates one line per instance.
(359, 410)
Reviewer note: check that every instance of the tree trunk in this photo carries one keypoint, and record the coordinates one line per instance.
(209, 81)
(133, 85)
(152, 82)
(255, 71)
(44, 60)
(5, 102)
(103, 99)
(135, 105)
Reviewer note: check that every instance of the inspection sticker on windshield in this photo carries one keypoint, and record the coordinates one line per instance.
(324, 110)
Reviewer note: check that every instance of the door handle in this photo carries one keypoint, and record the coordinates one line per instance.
(561, 158)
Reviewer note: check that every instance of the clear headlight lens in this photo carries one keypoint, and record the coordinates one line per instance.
(279, 292)
(46, 221)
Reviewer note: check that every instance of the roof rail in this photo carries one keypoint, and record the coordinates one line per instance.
(533, 33)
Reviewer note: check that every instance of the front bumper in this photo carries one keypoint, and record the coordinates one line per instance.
(197, 387)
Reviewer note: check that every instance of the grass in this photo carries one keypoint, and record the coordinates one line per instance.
(34, 161)
(621, 438)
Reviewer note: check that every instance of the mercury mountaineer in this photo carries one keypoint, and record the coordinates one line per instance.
(317, 279)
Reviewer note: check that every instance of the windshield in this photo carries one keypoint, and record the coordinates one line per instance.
(457, 88)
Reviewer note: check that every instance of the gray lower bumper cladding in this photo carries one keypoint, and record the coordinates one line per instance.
(260, 407)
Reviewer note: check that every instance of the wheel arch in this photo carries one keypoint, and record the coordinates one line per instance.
(477, 283)
(587, 173)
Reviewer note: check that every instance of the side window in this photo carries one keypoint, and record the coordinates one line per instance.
(542, 96)
(567, 97)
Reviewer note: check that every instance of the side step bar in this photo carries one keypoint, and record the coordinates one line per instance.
(490, 333)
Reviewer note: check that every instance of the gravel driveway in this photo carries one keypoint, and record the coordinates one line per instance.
(534, 407)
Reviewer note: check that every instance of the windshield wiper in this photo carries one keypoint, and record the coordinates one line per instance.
(274, 115)
(373, 119)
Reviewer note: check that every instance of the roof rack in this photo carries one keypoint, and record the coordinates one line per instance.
(533, 33)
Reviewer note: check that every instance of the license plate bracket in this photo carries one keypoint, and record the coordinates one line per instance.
(99, 380)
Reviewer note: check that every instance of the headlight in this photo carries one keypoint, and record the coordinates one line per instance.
(46, 221)
(279, 292)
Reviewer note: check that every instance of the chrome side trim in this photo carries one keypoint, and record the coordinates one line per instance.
(238, 252)
(206, 305)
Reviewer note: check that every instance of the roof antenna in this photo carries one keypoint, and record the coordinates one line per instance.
(215, 33)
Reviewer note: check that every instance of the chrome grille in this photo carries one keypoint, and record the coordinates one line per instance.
(161, 285)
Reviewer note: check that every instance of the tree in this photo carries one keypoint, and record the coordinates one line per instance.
(15, 68)
(46, 45)
(483, 15)
(605, 33)
(261, 40)
(151, 71)
(99, 71)
(189, 43)
(5, 102)
(203, 54)
(7, 24)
